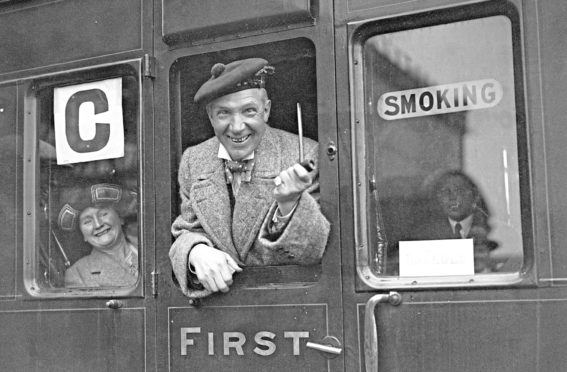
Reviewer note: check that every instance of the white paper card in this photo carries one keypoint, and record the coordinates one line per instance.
(88, 121)
(437, 257)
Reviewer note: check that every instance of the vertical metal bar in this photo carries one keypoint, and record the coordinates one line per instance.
(67, 262)
(300, 132)
(154, 283)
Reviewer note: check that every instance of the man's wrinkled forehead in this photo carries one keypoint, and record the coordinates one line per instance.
(239, 99)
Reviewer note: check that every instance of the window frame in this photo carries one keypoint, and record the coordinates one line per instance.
(364, 202)
(254, 277)
(31, 178)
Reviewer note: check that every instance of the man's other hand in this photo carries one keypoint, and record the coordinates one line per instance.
(213, 267)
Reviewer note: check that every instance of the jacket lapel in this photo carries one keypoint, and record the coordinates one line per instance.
(255, 198)
(252, 204)
(212, 205)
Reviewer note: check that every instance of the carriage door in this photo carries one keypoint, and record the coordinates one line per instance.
(440, 191)
(86, 263)
(274, 318)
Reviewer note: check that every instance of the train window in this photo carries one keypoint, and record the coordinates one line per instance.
(293, 82)
(440, 175)
(81, 183)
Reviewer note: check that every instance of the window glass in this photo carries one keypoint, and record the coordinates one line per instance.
(87, 186)
(441, 135)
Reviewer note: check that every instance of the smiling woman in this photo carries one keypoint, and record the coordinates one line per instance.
(98, 211)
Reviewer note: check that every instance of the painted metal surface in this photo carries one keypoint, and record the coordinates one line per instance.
(8, 186)
(73, 339)
(40, 34)
(194, 21)
(553, 80)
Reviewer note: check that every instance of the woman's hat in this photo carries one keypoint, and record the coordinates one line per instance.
(103, 194)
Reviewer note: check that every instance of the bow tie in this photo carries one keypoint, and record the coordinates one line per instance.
(242, 167)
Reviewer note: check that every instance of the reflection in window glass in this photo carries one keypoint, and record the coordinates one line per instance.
(88, 169)
(442, 139)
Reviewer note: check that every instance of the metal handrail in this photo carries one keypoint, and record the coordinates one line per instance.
(370, 329)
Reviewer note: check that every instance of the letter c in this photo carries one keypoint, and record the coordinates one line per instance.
(102, 135)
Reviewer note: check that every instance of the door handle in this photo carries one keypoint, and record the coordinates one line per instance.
(114, 304)
(370, 331)
(330, 346)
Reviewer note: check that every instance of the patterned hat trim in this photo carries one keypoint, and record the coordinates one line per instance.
(106, 193)
(68, 217)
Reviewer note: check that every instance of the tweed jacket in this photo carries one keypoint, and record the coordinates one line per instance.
(243, 234)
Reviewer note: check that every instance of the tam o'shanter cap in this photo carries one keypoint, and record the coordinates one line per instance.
(234, 77)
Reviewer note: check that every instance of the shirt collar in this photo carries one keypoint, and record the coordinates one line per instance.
(466, 225)
(223, 153)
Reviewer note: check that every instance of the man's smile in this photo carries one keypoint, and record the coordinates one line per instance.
(239, 139)
(454, 205)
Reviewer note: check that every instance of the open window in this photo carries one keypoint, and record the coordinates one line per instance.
(294, 82)
(440, 149)
(81, 183)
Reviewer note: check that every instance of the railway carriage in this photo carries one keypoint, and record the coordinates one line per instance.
(394, 91)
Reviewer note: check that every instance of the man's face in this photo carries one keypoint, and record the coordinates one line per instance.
(456, 198)
(239, 120)
(101, 227)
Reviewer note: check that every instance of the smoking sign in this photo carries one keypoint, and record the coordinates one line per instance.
(88, 121)
(440, 99)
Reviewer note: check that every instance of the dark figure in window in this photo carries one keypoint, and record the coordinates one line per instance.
(245, 200)
(98, 213)
(458, 211)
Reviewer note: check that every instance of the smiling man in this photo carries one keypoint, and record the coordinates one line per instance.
(233, 212)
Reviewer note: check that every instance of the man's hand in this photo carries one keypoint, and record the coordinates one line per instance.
(214, 268)
(291, 184)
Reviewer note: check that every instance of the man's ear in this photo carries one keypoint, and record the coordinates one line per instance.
(476, 200)
(209, 110)
(267, 107)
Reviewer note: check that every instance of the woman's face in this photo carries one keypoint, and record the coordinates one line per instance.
(101, 226)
